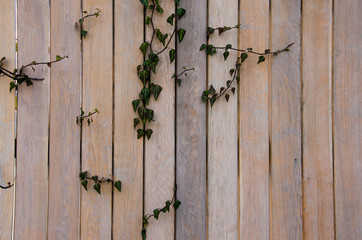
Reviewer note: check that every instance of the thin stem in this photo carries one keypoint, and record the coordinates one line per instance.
(258, 53)
(168, 43)
(185, 71)
(6, 187)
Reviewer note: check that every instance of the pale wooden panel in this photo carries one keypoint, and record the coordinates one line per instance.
(33, 115)
(347, 119)
(7, 117)
(286, 185)
(160, 149)
(64, 156)
(254, 123)
(317, 148)
(128, 150)
(191, 125)
(222, 130)
(96, 209)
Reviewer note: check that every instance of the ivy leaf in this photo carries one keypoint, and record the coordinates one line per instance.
(172, 54)
(233, 90)
(228, 83)
(161, 37)
(181, 34)
(212, 89)
(178, 80)
(149, 133)
(12, 86)
(180, 12)
(170, 19)
(83, 175)
(177, 2)
(226, 54)
(144, 47)
(148, 20)
(231, 72)
(83, 33)
(159, 8)
(135, 104)
(85, 184)
(142, 111)
(95, 178)
(58, 58)
(156, 213)
(118, 185)
(136, 121)
(212, 101)
(261, 59)
(203, 46)
(140, 133)
(222, 89)
(145, 95)
(228, 46)
(149, 114)
(156, 90)
(144, 2)
(243, 56)
(97, 187)
(143, 234)
(227, 96)
(176, 204)
(210, 31)
(267, 51)
(144, 74)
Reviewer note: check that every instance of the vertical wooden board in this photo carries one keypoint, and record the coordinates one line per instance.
(128, 150)
(222, 130)
(160, 149)
(33, 116)
(254, 122)
(318, 213)
(7, 118)
(347, 90)
(64, 139)
(286, 185)
(191, 125)
(96, 210)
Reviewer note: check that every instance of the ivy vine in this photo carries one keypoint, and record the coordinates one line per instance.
(85, 14)
(88, 117)
(8, 186)
(97, 182)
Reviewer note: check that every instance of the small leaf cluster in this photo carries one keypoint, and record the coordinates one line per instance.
(8, 186)
(97, 182)
(18, 74)
(156, 212)
(88, 117)
(85, 14)
(211, 95)
(151, 60)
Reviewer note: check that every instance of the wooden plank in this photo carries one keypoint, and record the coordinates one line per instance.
(96, 210)
(32, 129)
(254, 123)
(318, 215)
(128, 150)
(347, 90)
(65, 89)
(7, 118)
(286, 187)
(160, 149)
(191, 125)
(222, 130)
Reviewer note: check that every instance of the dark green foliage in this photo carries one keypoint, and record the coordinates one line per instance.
(97, 182)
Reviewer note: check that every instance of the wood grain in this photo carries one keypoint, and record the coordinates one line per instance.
(96, 210)
(7, 118)
(32, 128)
(64, 139)
(254, 122)
(128, 150)
(222, 130)
(191, 125)
(347, 90)
(286, 182)
(318, 219)
(160, 149)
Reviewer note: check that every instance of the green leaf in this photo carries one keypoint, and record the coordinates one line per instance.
(95, 178)
(170, 19)
(172, 55)
(226, 54)
(142, 111)
(178, 80)
(149, 114)
(176, 204)
(261, 59)
(203, 46)
(144, 2)
(233, 90)
(177, 2)
(181, 34)
(212, 89)
(145, 95)
(149, 133)
(144, 46)
(222, 89)
(143, 234)
(83, 33)
(228, 46)
(180, 12)
(231, 72)
(136, 121)
(83, 175)
(85, 184)
(97, 187)
(144, 74)
(210, 31)
(243, 56)
(118, 185)
(12, 86)
(227, 96)
(140, 133)
(159, 8)
(267, 51)
(212, 101)
(57, 58)
(156, 213)
(156, 90)
(148, 20)
(161, 37)
(135, 104)
(228, 83)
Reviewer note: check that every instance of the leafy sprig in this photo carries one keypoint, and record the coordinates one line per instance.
(151, 61)
(97, 182)
(8, 186)
(156, 212)
(18, 74)
(85, 14)
(88, 117)
(221, 30)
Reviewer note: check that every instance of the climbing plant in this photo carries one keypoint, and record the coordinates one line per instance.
(97, 182)
(85, 15)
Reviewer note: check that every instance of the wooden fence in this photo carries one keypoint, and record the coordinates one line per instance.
(280, 160)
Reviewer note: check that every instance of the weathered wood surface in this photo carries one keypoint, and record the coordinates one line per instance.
(160, 149)
(254, 122)
(32, 124)
(286, 168)
(96, 210)
(347, 90)
(222, 130)
(191, 125)
(64, 138)
(7, 118)
(318, 215)
(128, 150)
